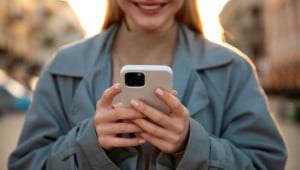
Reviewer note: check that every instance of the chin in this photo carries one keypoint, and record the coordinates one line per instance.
(152, 26)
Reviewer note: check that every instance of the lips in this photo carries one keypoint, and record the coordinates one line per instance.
(150, 8)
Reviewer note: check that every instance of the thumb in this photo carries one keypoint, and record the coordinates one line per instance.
(108, 95)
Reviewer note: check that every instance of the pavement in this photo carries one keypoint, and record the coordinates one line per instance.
(11, 125)
(290, 131)
(10, 129)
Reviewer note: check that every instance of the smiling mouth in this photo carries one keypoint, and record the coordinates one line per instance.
(150, 8)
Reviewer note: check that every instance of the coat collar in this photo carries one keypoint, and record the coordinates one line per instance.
(77, 58)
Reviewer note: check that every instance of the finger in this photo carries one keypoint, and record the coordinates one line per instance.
(154, 115)
(163, 145)
(118, 128)
(109, 142)
(108, 95)
(156, 130)
(117, 114)
(170, 100)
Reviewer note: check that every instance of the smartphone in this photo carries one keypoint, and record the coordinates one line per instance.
(140, 82)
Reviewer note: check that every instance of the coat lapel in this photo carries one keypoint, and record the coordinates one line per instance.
(95, 70)
(90, 90)
(189, 85)
(194, 55)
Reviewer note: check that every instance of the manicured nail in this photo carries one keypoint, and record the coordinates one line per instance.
(117, 86)
(174, 92)
(134, 103)
(142, 141)
(159, 91)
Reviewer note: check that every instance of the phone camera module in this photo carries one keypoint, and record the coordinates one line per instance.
(134, 79)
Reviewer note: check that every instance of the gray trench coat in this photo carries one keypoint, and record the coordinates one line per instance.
(230, 123)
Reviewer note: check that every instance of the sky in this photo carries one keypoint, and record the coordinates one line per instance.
(91, 14)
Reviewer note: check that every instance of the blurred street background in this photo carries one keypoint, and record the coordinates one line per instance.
(267, 31)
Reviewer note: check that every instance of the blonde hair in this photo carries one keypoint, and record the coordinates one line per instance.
(188, 15)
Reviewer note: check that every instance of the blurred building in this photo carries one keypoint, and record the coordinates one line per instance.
(282, 46)
(243, 24)
(31, 31)
(268, 31)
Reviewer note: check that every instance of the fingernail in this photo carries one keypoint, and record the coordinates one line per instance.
(134, 103)
(142, 141)
(117, 86)
(159, 91)
(175, 93)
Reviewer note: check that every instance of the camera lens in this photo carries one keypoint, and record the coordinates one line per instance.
(135, 79)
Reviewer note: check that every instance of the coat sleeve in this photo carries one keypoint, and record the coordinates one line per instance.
(249, 138)
(48, 142)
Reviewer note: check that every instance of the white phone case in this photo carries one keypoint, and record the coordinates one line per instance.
(155, 76)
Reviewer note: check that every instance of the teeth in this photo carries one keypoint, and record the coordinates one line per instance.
(149, 7)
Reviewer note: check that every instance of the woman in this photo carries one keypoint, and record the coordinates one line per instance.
(219, 116)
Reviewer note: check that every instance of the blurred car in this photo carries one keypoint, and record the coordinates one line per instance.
(14, 97)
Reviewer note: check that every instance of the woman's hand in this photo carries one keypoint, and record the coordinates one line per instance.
(109, 122)
(167, 132)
